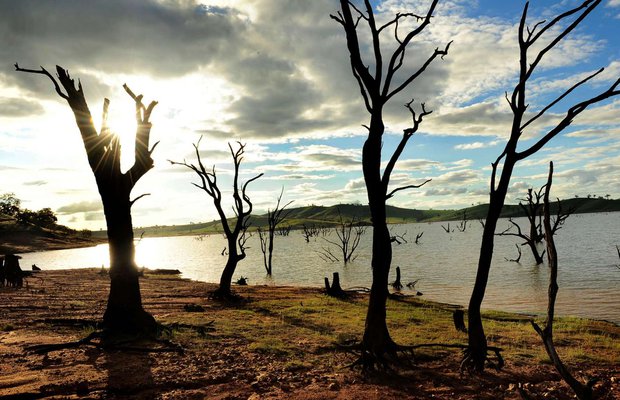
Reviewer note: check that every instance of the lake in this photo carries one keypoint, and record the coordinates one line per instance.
(443, 263)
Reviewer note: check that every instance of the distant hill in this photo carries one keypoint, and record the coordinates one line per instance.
(329, 216)
(22, 238)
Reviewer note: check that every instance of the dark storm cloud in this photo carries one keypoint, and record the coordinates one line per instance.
(123, 36)
(15, 107)
(288, 62)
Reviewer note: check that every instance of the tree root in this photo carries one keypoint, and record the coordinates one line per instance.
(226, 295)
(469, 363)
(110, 341)
(386, 360)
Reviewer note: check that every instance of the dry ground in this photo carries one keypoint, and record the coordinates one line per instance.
(279, 344)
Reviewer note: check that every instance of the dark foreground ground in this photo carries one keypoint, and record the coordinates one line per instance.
(281, 343)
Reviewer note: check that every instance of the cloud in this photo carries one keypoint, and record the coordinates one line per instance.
(445, 192)
(475, 145)
(152, 37)
(80, 207)
(35, 183)
(15, 107)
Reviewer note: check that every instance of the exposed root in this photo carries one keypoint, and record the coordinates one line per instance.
(469, 362)
(384, 360)
(201, 330)
(107, 340)
(226, 295)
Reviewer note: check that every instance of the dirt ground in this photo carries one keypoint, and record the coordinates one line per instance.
(225, 363)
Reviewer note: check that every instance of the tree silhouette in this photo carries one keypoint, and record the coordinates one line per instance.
(529, 38)
(124, 312)
(274, 218)
(236, 234)
(377, 88)
(583, 391)
(532, 209)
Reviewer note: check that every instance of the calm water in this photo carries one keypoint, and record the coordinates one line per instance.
(445, 264)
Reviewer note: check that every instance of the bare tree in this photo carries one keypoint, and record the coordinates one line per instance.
(274, 218)
(583, 391)
(462, 226)
(532, 210)
(309, 231)
(124, 312)
(529, 40)
(378, 83)
(349, 234)
(236, 235)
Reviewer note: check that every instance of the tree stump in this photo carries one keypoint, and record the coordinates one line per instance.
(459, 320)
(396, 284)
(334, 290)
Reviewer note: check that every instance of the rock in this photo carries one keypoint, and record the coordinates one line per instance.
(334, 386)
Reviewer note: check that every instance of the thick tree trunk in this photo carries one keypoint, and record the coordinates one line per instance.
(270, 249)
(124, 311)
(477, 342)
(537, 257)
(377, 338)
(231, 264)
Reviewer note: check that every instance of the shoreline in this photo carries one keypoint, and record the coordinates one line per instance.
(497, 313)
(280, 343)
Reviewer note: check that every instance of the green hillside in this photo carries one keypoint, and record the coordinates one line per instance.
(329, 216)
(26, 237)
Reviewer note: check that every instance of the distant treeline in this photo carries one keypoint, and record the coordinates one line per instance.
(329, 216)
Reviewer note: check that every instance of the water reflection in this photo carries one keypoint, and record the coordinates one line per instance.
(444, 263)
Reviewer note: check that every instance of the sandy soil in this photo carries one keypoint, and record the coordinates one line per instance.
(224, 364)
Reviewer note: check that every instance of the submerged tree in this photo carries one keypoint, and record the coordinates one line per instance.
(124, 312)
(274, 218)
(529, 40)
(532, 209)
(349, 234)
(378, 83)
(236, 235)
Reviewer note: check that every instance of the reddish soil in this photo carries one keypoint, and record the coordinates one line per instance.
(224, 364)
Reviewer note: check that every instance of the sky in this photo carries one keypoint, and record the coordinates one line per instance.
(275, 75)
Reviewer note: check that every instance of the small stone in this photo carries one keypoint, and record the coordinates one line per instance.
(333, 386)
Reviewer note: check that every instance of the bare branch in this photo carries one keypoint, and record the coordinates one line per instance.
(556, 101)
(568, 119)
(393, 192)
(138, 198)
(43, 71)
(413, 76)
(407, 133)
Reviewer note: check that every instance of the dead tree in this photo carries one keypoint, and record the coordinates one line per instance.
(310, 231)
(349, 234)
(529, 41)
(462, 226)
(418, 237)
(379, 80)
(236, 235)
(518, 259)
(399, 239)
(583, 391)
(124, 312)
(532, 210)
(274, 218)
